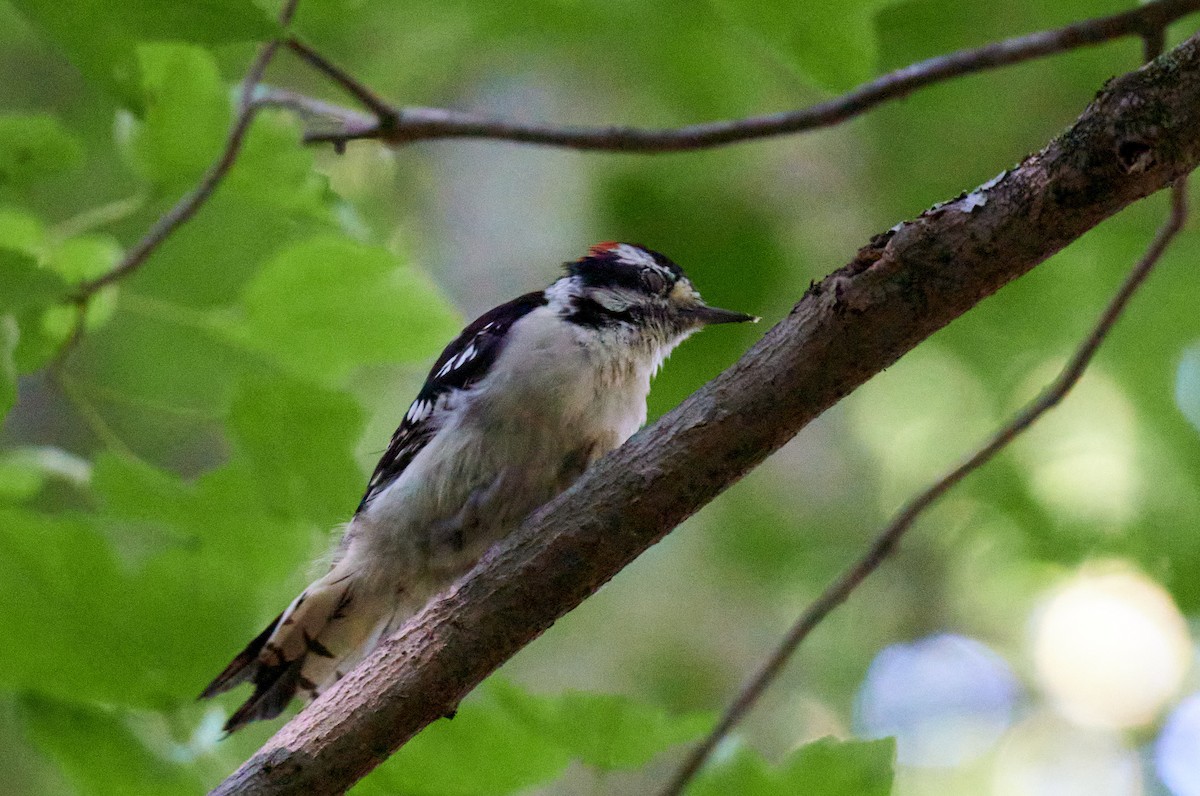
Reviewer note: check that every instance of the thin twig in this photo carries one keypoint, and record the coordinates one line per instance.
(387, 116)
(887, 539)
(398, 126)
(837, 593)
(187, 206)
(898, 290)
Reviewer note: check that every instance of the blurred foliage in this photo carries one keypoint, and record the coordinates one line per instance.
(164, 488)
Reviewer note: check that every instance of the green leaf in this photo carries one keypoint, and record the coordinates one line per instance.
(101, 37)
(22, 232)
(84, 257)
(328, 304)
(822, 768)
(25, 284)
(186, 115)
(607, 731)
(742, 772)
(33, 147)
(485, 750)
(217, 528)
(9, 334)
(83, 630)
(177, 577)
(829, 767)
(504, 739)
(98, 752)
(299, 442)
(273, 169)
(154, 354)
(24, 471)
(832, 43)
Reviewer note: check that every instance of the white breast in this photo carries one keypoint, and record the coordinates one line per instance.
(558, 397)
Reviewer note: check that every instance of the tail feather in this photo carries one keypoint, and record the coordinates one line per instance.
(241, 668)
(303, 651)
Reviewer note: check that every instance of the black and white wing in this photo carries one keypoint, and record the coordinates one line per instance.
(462, 365)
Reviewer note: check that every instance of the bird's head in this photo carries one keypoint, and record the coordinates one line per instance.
(627, 286)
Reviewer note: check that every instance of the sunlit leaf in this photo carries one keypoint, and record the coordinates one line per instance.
(84, 257)
(328, 304)
(186, 113)
(25, 470)
(741, 771)
(603, 730)
(21, 231)
(821, 768)
(485, 750)
(841, 768)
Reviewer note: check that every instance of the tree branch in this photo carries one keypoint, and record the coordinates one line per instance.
(398, 126)
(187, 206)
(1140, 134)
(889, 538)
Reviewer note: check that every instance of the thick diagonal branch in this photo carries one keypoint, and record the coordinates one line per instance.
(889, 538)
(1140, 134)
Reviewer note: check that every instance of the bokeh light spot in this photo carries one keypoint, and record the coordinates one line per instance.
(1110, 647)
(1187, 385)
(946, 699)
(1081, 461)
(1177, 751)
(1046, 756)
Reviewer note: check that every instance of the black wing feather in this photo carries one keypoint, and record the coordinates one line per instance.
(462, 364)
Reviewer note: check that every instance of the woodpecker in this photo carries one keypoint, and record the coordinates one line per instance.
(514, 410)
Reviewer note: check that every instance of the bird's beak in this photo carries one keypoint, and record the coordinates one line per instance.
(705, 315)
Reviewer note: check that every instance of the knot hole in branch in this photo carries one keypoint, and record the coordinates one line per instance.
(1135, 155)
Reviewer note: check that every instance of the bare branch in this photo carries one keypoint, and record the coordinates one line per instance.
(386, 115)
(887, 540)
(398, 126)
(1141, 134)
(187, 206)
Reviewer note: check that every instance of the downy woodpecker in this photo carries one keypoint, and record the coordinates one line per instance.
(513, 411)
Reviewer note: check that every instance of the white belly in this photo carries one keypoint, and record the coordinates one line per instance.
(548, 408)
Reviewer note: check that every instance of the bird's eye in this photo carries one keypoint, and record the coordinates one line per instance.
(654, 281)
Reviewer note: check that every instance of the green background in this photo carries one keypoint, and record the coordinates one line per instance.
(162, 494)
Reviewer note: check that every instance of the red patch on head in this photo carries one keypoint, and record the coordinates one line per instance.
(603, 247)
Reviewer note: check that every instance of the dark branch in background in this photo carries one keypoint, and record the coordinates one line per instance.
(1141, 134)
(397, 126)
(386, 115)
(885, 543)
(405, 125)
(187, 206)
(887, 540)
